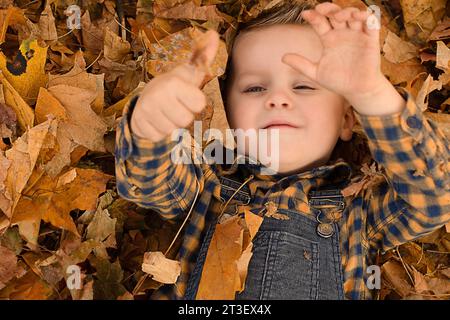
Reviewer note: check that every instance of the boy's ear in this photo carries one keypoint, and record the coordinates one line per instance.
(348, 121)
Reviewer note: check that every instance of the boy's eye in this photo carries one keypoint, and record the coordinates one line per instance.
(304, 87)
(251, 89)
(255, 89)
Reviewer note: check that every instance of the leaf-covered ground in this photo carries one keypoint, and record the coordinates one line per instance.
(61, 95)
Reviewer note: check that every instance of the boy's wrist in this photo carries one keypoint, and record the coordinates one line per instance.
(382, 100)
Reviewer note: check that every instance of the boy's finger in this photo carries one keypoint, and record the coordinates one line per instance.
(325, 7)
(355, 25)
(146, 131)
(203, 55)
(163, 122)
(301, 64)
(317, 21)
(336, 24)
(328, 9)
(345, 14)
(182, 117)
(191, 98)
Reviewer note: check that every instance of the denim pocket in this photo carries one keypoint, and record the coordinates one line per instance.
(283, 266)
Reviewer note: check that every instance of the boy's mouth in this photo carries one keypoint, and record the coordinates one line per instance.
(279, 124)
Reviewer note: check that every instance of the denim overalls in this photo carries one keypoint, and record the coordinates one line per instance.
(297, 258)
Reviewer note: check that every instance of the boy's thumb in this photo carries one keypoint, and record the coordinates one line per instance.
(203, 54)
(301, 64)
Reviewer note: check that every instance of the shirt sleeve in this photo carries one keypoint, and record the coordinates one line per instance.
(415, 199)
(146, 174)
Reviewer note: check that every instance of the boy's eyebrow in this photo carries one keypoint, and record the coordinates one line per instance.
(250, 73)
(261, 73)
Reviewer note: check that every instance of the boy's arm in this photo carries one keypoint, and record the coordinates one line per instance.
(146, 175)
(415, 155)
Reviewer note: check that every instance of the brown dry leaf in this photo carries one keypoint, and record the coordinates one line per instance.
(396, 275)
(421, 17)
(47, 104)
(28, 287)
(92, 34)
(401, 72)
(78, 77)
(188, 10)
(78, 126)
(52, 200)
(117, 108)
(47, 25)
(102, 230)
(242, 265)
(220, 277)
(8, 122)
(8, 266)
(176, 48)
(162, 269)
(442, 56)
(23, 157)
(85, 293)
(116, 49)
(426, 284)
(442, 30)
(428, 86)
(85, 126)
(397, 50)
(11, 16)
(253, 222)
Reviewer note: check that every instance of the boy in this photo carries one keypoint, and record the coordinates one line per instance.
(309, 79)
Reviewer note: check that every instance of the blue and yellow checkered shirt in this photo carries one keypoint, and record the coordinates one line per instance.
(413, 201)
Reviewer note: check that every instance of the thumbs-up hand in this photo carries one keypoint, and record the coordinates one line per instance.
(170, 100)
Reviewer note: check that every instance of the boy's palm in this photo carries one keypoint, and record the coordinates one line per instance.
(350, 61)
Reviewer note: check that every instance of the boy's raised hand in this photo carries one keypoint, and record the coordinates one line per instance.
(350, 61)
(170, 100)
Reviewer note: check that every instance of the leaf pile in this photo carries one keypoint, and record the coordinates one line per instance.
(62, 92)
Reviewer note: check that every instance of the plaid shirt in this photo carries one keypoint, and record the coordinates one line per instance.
(413, 201)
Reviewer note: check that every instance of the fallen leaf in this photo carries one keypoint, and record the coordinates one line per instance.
(442, 56)
(220, 276)
(397, 50)
(52, 200)
(162, 269)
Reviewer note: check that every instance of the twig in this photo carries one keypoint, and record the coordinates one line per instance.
(404, 266)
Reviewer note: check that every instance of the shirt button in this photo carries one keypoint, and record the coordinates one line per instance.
(413, 122)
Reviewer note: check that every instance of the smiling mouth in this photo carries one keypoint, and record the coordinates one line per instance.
(279, 126)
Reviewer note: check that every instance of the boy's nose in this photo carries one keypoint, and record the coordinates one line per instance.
(278, 101)
(276, 104)
(278, 98)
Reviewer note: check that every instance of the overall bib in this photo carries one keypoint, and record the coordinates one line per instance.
(297, 259)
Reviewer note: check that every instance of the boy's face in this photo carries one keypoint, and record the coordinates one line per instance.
(280, 93)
